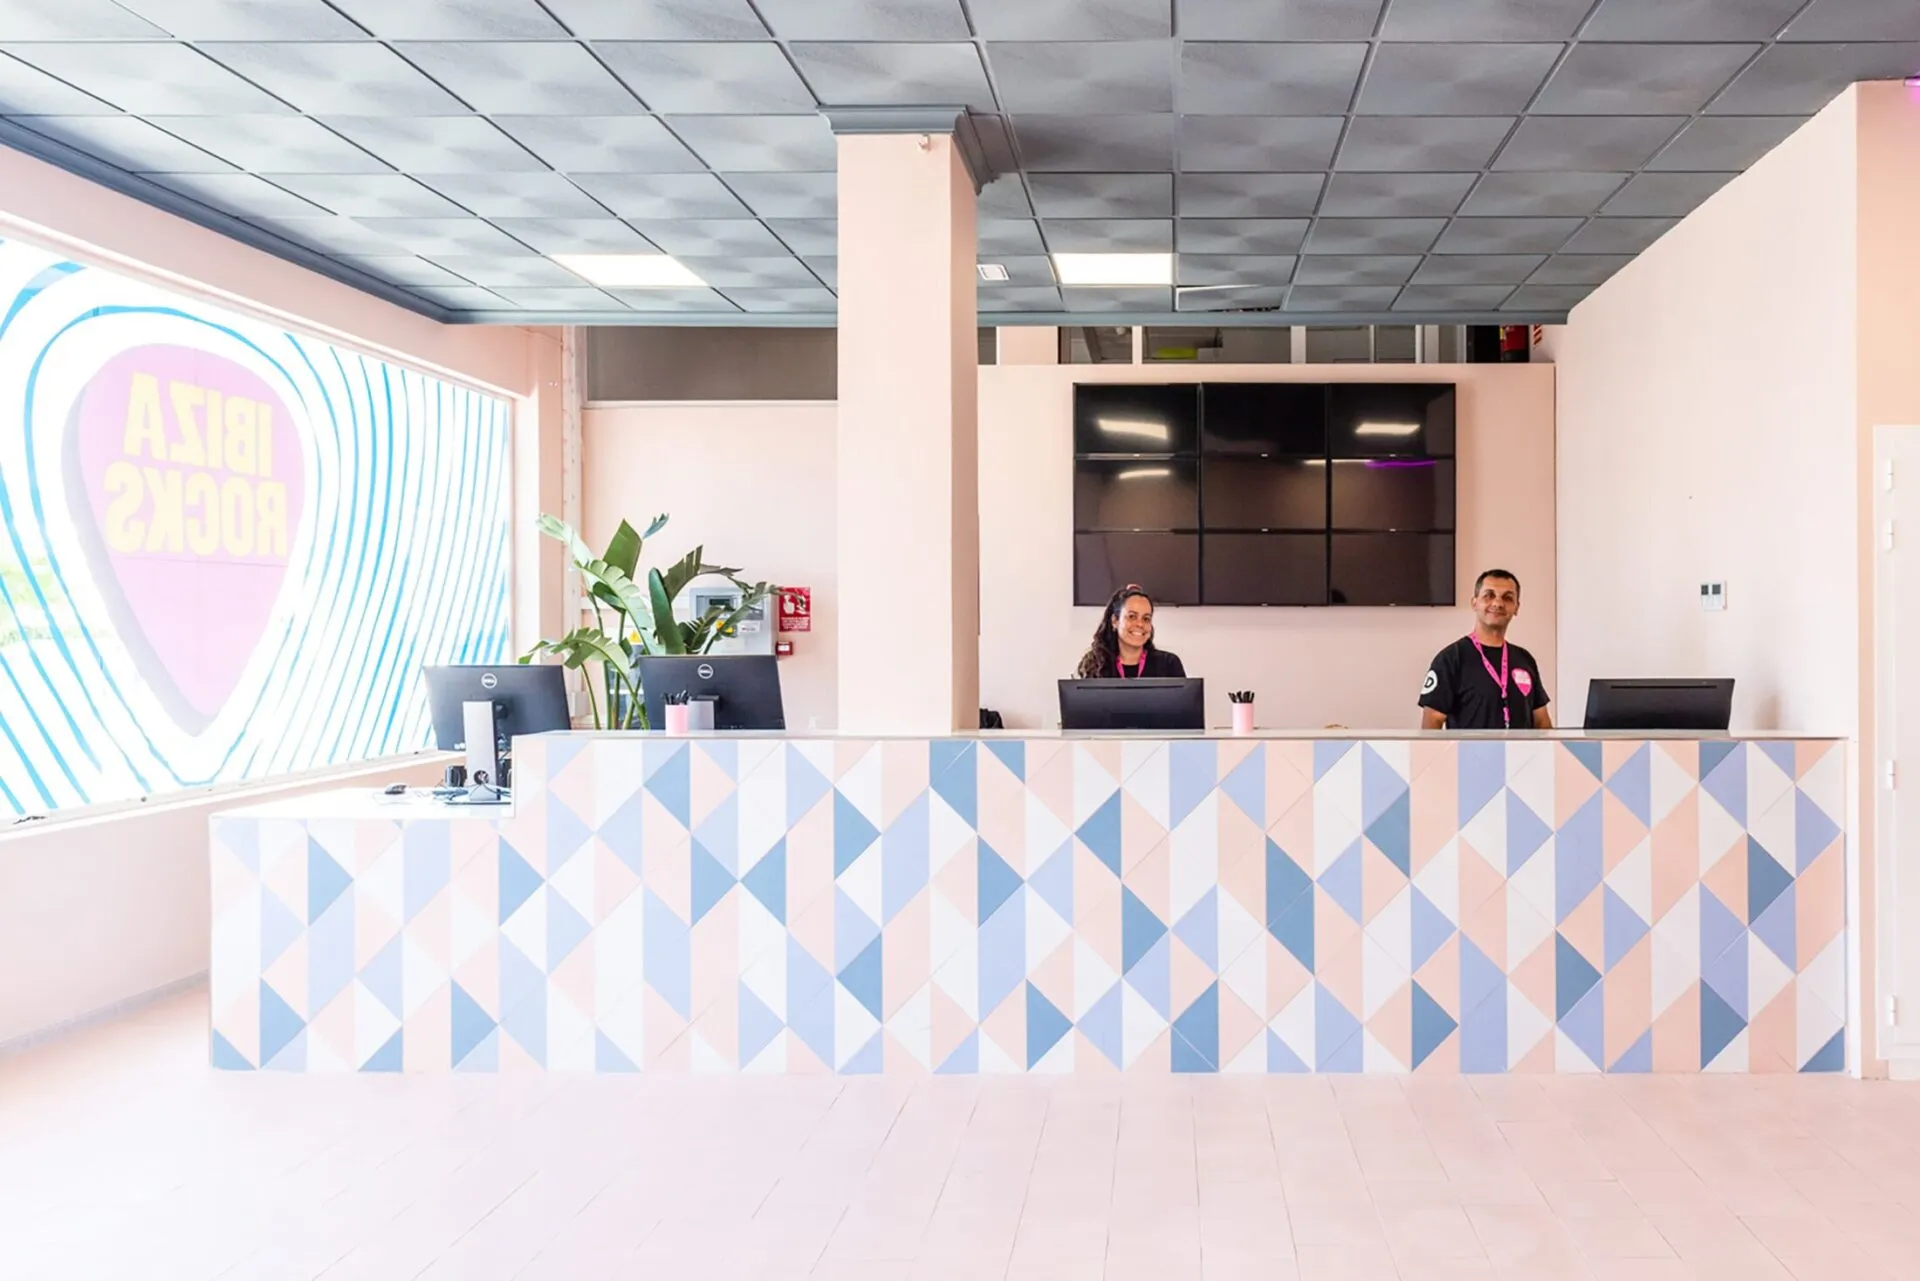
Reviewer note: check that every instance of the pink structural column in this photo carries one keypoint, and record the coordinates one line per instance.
(908, 485)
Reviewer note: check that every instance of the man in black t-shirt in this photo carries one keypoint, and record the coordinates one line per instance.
(1480, 681)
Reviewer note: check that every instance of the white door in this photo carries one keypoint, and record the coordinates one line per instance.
(1896, 765)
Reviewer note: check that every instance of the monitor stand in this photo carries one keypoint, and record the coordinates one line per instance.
(481, 722)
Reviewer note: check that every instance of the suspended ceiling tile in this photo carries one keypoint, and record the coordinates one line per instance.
(494, 271)
(1249, 195)
(332, 234)
(453, 19)
(1545, 298)
(1665, 195)
(462, 297)
(1617, 235)
(1005, 198)
(1258, 144)
(1455, 79)
(1071, 19)
(598, 235)
(1451, 298)
(559, 298)
(241, 19)
(672, 301)
(996, 143)
(73, 20)
(711, 237)
(28, 91)
(724, 273)
(1684, 20)
(444, 237)
(827, 268)
(150, 79)
(659, 19)
(758, 144)
(1101, 195)
(438, 144)
(1266, 20)
(812, 300)
(1109, 235)
(242, 194)
(364, 79)
(1462, 144)
(1023, 298)
(1257, 236)
(525, 77)
(1091, 77)
(601, 144)
(1234, 269)
(1519, 193)
(1640, 79)
(1339, 298)
(1484, 19)
(709, 79)
(1477, 269)
(1373, 235)
(1269, 79)
(127, 142)
(996, 236)
(1731, 143)
(865, 19)
(1231, 298)
(373, 195)
(786, 195)
(515, 195)
(1578, 269)
(273, 144)
(1800, 79)
(1103, 143)
(1842, 20)
(403, 270)
(1591, 144)
(663, 195)
(878, 75)
(1394, 195)
(1352, 269)
(1128, 299)
(1505, 235)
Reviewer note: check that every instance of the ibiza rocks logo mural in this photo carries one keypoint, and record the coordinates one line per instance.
(185, 476)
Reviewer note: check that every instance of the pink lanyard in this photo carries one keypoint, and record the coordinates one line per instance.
(1499, 677)
(1121, 667)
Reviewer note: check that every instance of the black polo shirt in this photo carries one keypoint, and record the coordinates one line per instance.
(1458, 687)
(1160, 663)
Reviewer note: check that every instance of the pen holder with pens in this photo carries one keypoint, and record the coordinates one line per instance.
(1242, 700)
(675, 709)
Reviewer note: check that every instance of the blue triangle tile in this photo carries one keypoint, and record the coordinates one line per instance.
(469, 1022)
(1720, 929)
(1589, 755)
(759, 1026)
(1585, 1024)
(1045, 1025)
(1781, 754)
(1777, 928)
(1101, 1025)
(390, 1057)
(565, 833)
(1766, 879)
(279, 928)
(1831, 1057)
(1140, 929)
(806, 786)
(1574, 976)
(621, 831)
(666, 954)
(1620, 927)
(1191, 775)
(326, 880)
(1638, 1057)
(954, 775)
(1053, 883)
(1483, 1031)
(996, 881)
(905, 858)
(331, 943)
(1813, 831)
(1328, 753)
(1432, 1025)
(241, 836)
(813, 1024)
(1012, 755)
(861, 977)
(1719, 1024)
(523, 1001)
(1480, 979)
(1392, 834)
(1003, 952)
(292, 1056)
(1294, 930)
(608, 1057)
(518, 881)
(767, 880)
(723, 752)
(1287, 881)
(1342, 882)
(1431, 928)
(566, 930)
(1281, 1059)
(381, 976)
(1483, 775)
(1199, 929)
(426, 864)
(711, 881)
(227, 1059)
(1526, 833)
(852, 833)
(1101, 833)
(1381, 786)
(853, 930)
(869, 1060)
(671, 778)
(562, 752)
(1723, 964)
(1337, 1043)
(965, 1059)
(1152, 978)
(1196, 1034)
(1632, 784)
(1579, 861)
(719, 834)
(1246, 786)
(1723, 776)
(484, 1057)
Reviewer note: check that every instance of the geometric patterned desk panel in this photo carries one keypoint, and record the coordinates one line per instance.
(1051, 905)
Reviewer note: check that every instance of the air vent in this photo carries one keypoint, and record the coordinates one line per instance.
(992, 272)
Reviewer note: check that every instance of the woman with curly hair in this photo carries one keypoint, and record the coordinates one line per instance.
(1122, 647)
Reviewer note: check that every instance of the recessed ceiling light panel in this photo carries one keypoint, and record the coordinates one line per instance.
(1114, 269)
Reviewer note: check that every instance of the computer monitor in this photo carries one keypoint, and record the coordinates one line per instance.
(1150, 703)
(744, 688)
(1705, 705)
(527, 699)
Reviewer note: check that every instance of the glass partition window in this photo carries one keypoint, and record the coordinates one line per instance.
(228, 549)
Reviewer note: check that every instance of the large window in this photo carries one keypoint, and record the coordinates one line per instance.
(228, 549)
(1265, 493)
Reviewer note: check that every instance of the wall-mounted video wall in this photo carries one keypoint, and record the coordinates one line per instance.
(1265, 493)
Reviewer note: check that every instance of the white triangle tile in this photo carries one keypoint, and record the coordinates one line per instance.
(1145, 774)
(618, 772)
(1676, 952)
(1058, 1061)
(1526, 1026)
(949, 930)
(1246, 977)
(574, 882)
(995, 1061)
(382, 883)
(819, 753)
(1294, 1025)
(1092, 785)
(853, 1026)
(1721, 835)
(1570, 1058)
(373, 1025)
(760, 801)
(1439, 880)
(1045, 930)
(1377, 1059)
(1733, 1059)
(336, 836)
(1336, 811)
(619, 954)
(1532, 887)
(1774, 828)
(703, 1059)
(1826, 785)
(1767, 976)
(1397, 752)
(912, 1026)
(1633, 879)
(526, 929)
(1045, 834)
(1238, 932)
(1668, 783)
(1822, 1000)
(947, 832)
(1486, 833)
(236, 944)
(1093, 978)
(861, 882)
(1392, 933)
(1140, 1023)
(760, 934)
(571, 1046)
(772, 1061)
(1193, 851)
(625, 1023)
(470, 929)
(1252, 1060)
(766, 978)
(1767, 783)
(1530, 775)
(959, 976)
(861, 785)
(421, 975)
(1381, 975)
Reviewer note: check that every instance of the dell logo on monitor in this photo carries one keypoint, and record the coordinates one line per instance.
(488, 680)
(705, 671)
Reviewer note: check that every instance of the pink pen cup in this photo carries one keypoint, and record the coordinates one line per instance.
(1243, 718)
(676, 718)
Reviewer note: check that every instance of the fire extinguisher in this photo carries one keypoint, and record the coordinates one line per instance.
(1514, 345)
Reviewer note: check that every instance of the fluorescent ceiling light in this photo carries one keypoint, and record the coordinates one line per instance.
(1113, 269)
(1140, 427)
(630, 271)
(1387, 429)
(992, 271)
(1141, 473)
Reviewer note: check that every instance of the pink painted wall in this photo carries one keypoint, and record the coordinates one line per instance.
(754, 482)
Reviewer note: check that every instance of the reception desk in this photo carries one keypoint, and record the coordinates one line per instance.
(1028, 903)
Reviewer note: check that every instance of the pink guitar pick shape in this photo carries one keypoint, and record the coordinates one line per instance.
(186, 478)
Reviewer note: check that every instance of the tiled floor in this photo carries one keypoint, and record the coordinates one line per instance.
(121, 1156)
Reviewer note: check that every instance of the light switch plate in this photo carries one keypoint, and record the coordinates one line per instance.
(1713, 597)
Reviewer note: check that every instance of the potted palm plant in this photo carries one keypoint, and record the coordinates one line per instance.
(631, 619)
